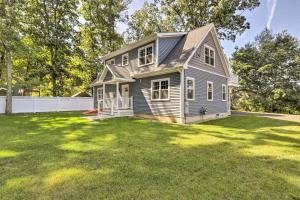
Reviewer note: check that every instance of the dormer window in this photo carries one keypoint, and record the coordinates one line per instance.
(125, 59)
(110, 62)
(145, 55)
(209, 54)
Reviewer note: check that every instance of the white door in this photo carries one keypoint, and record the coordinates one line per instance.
(125, 96)
(125, 91)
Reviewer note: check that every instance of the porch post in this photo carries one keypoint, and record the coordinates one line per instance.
(118, 95)
(103, 97)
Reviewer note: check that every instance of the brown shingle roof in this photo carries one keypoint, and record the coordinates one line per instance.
(184, 48)
(119, 71)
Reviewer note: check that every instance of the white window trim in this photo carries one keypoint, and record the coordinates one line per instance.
(145, 47)
(98, 89)
(169, 89)
(126, 54)
(224, 85)
(109, 61)
(212, 95)
(186, 88)
(210, 48)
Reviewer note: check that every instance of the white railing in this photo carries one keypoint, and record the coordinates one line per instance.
(28, 104)
(115, 104)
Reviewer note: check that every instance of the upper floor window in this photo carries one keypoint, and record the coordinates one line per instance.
(160, 89)
(125, 59)
(224, 92)
(190, 88)
(209, 54)
(111, 62)
(145, 55)
(210, 90)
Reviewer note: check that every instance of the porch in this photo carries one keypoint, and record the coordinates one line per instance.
(114, 100)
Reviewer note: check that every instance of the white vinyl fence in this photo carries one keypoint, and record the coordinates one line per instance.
(22, 104)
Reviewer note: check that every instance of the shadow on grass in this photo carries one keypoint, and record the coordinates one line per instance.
(61, 156)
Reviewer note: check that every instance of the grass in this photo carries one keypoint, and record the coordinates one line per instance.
(62, 156)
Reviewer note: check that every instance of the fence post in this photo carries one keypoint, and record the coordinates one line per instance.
(34, 106)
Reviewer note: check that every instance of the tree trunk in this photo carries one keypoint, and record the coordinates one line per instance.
(8, 108)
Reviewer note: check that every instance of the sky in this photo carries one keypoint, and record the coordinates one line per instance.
(277, 15)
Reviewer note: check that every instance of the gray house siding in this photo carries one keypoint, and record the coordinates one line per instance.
(142, 104)
(165, 45)
(133, 64)
(198, 59)
(108, 76)
(217, 105)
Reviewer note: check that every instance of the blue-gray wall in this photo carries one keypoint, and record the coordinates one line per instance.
(142, 104)
(217, 105)
(198, 58)
(165, 45)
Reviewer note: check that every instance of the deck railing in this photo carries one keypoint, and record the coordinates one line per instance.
(115, 104)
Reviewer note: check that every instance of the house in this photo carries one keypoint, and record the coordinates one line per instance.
(173, 77)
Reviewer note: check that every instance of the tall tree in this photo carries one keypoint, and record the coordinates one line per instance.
(10, 12)
(227, 15)
(98, 33)
(269, 73)
(52, 26)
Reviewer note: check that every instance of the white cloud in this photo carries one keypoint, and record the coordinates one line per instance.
(271, 11)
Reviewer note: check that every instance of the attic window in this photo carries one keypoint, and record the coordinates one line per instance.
(209, 55)
(111, 62)
(145, 55)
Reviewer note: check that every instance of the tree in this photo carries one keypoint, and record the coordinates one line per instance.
(51, 25)
(182, 15)
(98, 35)
(10, 13)
(146, 21)
(269, 73)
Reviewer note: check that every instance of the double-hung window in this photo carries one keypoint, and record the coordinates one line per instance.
(190, 88)
(100, 93)
(145, 55)
(111, 62)
(209, 54)
(210, 91)
(160, 89)
(224, 92)
(125, 59)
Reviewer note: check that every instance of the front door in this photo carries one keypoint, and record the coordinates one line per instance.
(125, 91)
(125, 96)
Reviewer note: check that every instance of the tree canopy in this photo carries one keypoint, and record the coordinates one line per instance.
(269, 73)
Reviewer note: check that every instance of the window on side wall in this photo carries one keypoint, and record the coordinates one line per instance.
(125, 59)
(160, 89)
(190, 88)
(224, 92)
(145, 55)
(210, 90)
(209, 55)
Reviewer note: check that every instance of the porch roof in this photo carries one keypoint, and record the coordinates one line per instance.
(119, 74)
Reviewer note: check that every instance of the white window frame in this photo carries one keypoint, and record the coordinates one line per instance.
(109, 62)
(159, 90)
(212, 90)
(224, 85)
(145, 48)
(186, 88)
(210, 49)
(126, 54)
(99, 89)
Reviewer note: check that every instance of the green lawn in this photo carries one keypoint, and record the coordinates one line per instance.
(62, 156)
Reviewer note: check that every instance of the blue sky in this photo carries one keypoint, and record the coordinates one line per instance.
(276, 14)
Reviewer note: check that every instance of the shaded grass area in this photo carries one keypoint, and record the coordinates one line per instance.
(62, 156)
